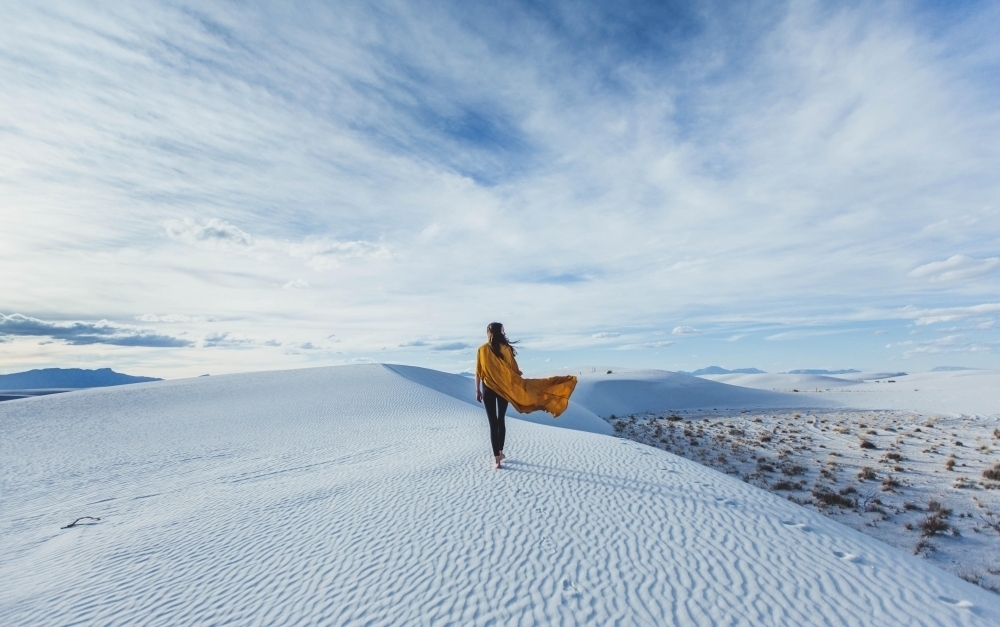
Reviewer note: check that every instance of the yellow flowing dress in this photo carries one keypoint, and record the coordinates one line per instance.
(526, 395)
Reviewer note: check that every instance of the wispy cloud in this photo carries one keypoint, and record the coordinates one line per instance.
(956, 268)
(87, 333)
(450, 346)
(660, 344)
(320, 253)
(685, 331)
(421, 169)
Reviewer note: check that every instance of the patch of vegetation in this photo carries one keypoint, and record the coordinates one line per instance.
(889, 484)
(832, 498)
(949, 464)
(993, 474)
(935, 523)
(867, 473)
(674, 418)
(787, 485)
(866, 443)
(793, 471)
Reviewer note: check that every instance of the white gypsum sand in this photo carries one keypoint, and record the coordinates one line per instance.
(919, 487)
(355, 495)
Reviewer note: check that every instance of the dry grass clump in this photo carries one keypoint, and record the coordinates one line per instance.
(867, 473)
(832, 498)
(949, 463)
(866, 443)
(889, 484)
(787, 486)
(993, 474)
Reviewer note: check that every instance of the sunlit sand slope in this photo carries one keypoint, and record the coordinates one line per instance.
(354, 495)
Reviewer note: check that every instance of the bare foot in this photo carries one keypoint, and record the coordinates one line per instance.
(497, 459)
(502, 456)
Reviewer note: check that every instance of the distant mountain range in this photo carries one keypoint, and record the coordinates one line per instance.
(848, 371)
(67, 378)
(718, 370)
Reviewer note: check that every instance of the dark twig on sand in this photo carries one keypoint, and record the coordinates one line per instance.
(74, 523)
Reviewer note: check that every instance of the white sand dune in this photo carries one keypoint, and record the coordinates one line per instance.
(627, 391)
(463, 388)
(962, 391)
(784, 382)
(363, 495)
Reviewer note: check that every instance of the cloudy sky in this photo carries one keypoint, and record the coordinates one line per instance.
(217, 187)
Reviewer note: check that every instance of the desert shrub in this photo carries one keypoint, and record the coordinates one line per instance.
(909, 506)
(896, 457)
(949, 464)
(937, 506)
(832, 498)
(867, 473)
(993, 474)
(764, 467)
(674, 418)
(889, 483)
(934, 524)
(792, 471)
(784, 485)
(848, 490)
(923, 545)
(866, 443)
(996, 433)
(618, 426)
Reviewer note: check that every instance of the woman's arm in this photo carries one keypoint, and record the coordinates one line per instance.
(479, 370)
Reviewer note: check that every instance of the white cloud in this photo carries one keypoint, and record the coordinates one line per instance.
(321, 253)
(296, 284)
(660, 344)
(947, 344)
(325, 254)
(227, 340)
(685, 331)
(948, 314)
(83, 333)
(605, 335)
(450, 346)
(539, 167)
(174, 318)
(212, 232)
(956, 268)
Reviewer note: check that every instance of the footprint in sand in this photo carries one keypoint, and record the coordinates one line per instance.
(847, 557)
(956, 602)
(791, 524)
(547, 544)
(723, 500)
(570, 590)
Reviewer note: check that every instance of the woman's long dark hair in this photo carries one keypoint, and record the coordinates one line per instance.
(498, 338)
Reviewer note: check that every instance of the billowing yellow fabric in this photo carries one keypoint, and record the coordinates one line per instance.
(526, 395)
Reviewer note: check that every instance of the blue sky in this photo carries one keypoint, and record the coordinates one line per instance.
(217, 187)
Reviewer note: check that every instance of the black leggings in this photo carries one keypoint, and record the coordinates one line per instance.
(496, 407)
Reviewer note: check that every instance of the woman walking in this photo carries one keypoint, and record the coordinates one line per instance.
(499, 382)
